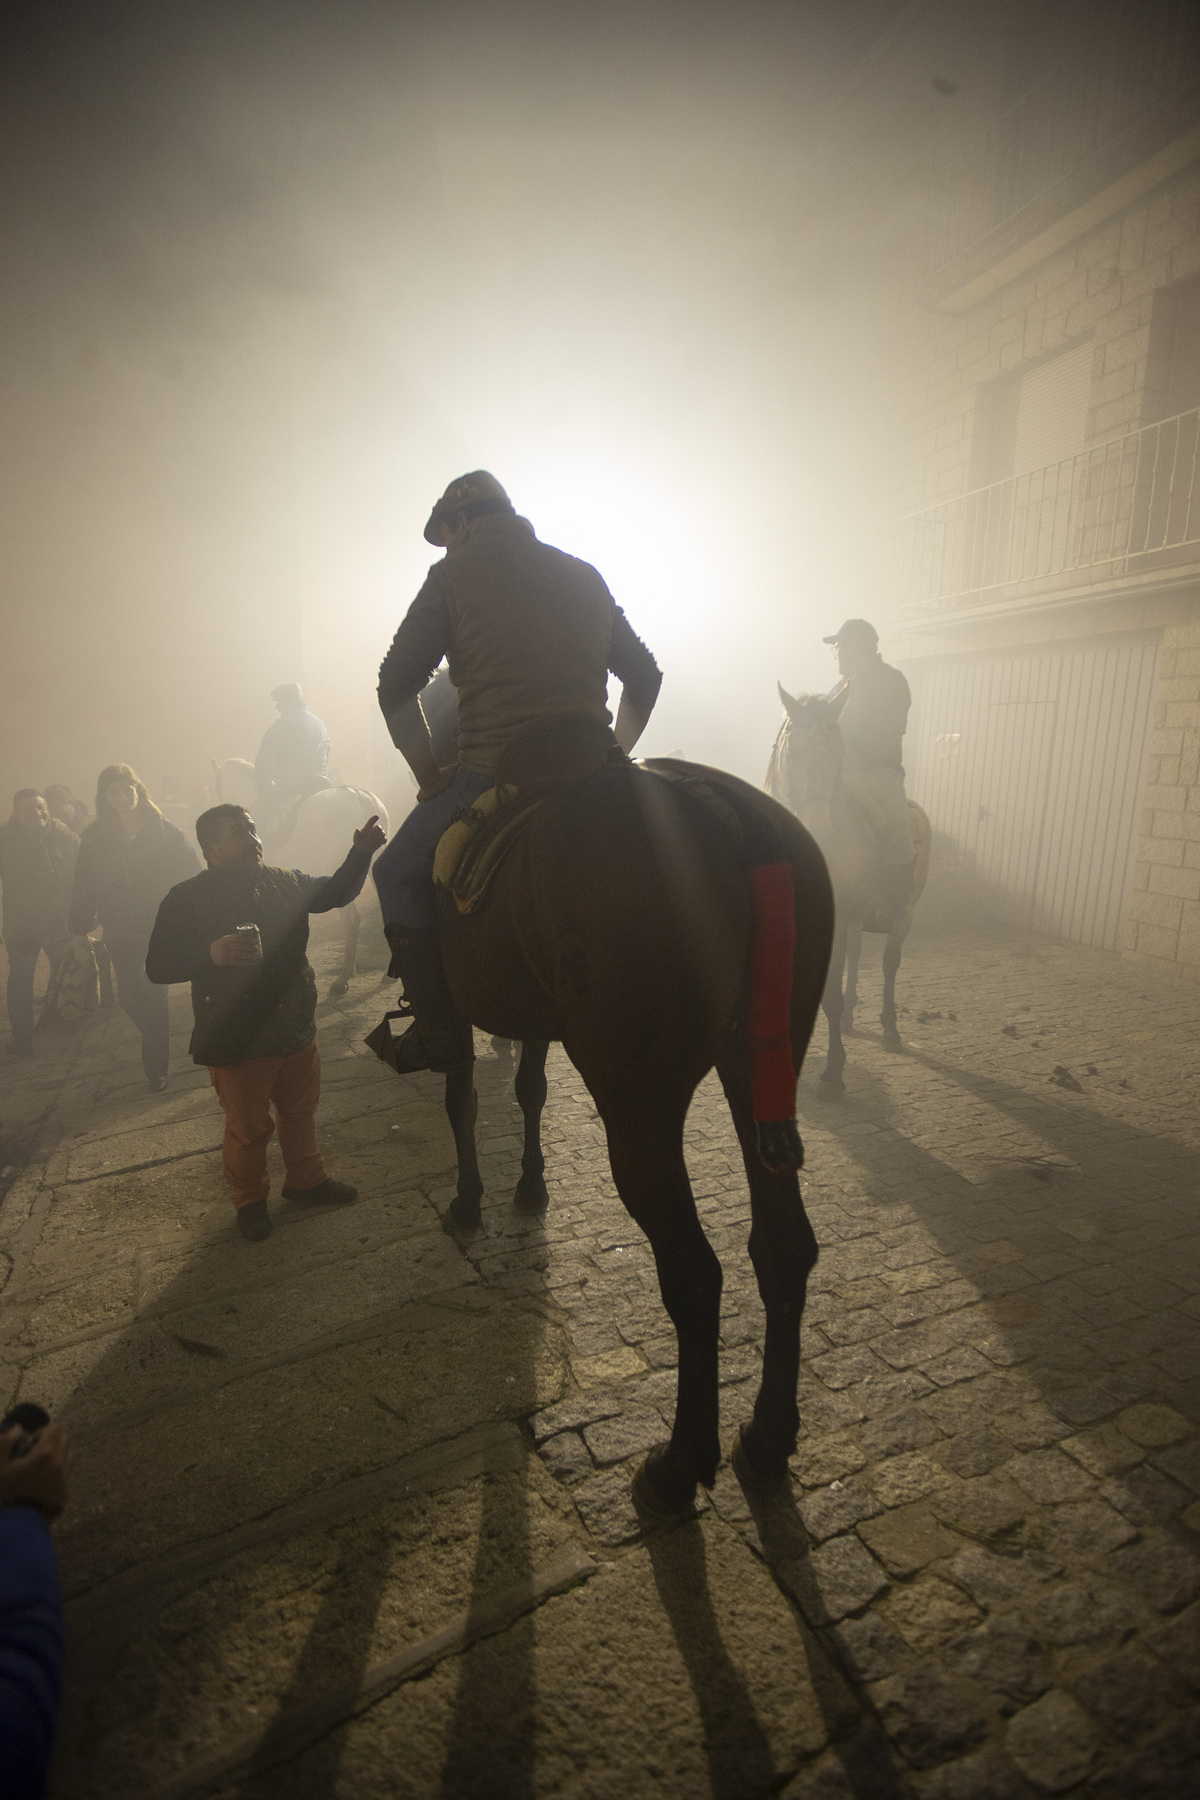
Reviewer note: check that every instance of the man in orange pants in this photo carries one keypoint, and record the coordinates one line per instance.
(239, 932)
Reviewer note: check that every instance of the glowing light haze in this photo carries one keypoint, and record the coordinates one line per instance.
(276, 273)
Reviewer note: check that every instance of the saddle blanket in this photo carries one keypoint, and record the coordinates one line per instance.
(469, 877)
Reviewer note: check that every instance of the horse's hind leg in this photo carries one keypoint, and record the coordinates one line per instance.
(850, 997)
(645, 1148)
(351, 921)
(783, 1249)
(891, 967)
(462, 1104)
(531, 1195)
(832, 1083)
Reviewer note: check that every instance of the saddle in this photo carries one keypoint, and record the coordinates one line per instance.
(536, 765)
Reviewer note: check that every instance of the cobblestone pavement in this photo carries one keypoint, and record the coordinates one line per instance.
(351, 1508)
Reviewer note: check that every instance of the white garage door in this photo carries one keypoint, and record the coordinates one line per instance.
(1031, 766)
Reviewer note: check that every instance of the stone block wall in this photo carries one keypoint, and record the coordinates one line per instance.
(1162, 912)
(1101, 287)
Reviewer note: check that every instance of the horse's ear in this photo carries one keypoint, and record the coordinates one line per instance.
(791, 706)
(215, 765)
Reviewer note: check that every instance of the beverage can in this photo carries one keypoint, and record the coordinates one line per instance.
(255, 936)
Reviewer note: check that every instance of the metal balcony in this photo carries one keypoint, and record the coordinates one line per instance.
(1130, 506)
(1113, 102)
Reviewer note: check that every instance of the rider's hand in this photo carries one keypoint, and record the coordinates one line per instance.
(39, 1478)
(429, 790)
(370, 836)
(236, 947)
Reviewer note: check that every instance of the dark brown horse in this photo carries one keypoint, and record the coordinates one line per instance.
(621, 924)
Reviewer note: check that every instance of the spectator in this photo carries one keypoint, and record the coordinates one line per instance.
(128, 858)
(65, 807)
(37, 858)
(33, 1491)
(254, 997)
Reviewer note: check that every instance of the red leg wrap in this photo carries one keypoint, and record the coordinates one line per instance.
(773, 1075)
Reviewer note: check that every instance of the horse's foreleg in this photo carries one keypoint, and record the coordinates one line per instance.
(891, 965)
(461, 1107)
(646, 1153)
(351, 921)
(850, 996)
(531, 1195)
(783, 1250)
(832, 1083)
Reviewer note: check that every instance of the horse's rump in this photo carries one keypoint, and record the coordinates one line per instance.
(625, 906)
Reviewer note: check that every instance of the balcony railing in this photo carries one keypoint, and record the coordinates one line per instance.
(1139, 61)
(1131, 505)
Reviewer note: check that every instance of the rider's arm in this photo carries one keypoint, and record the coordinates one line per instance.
(424, 637)
(640, 678)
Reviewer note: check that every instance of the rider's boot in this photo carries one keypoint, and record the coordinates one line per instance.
(439, 1037)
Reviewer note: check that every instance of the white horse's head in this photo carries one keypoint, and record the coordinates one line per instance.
(235, 781)
(807, 759)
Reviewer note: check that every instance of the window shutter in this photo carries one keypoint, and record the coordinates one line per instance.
(1052, 408)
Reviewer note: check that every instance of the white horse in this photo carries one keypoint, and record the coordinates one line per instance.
(321, 829)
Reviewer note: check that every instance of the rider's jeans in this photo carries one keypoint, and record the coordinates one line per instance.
(403, 872)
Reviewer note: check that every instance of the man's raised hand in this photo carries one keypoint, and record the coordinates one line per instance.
(370, 836)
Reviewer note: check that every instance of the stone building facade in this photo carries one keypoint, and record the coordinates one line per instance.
(1041, 384)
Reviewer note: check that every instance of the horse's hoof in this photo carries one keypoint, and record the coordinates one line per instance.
(339, 987)
(748, 1472)
(659, 1492)
(532, 1195)
(462, 1215)
(892, 1040)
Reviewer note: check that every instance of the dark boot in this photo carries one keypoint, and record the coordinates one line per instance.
(440, 1038)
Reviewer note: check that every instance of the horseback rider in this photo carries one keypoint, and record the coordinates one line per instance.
(874, 700)
(530, 635)
(293, 757)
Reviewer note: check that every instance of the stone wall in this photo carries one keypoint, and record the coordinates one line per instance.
(1102, 286)
(1162, 913)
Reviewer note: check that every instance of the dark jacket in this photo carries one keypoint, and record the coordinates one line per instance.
(875, 716)
(261, 1009)
(121, 882)
(31, 1652)
(35, 867)
(530, 634)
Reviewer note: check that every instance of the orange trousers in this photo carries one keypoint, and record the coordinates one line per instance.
(247, 1092)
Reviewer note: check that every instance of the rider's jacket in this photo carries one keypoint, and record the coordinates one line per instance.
(293, 756)
(875, 716)
(260, 1009)
(529, 634)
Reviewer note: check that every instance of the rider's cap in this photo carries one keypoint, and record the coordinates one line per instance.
(289, 690)
(854, 628)
(472, 494)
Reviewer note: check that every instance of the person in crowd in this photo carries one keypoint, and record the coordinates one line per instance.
(530, 635)
(239, 933)
(129, 857)
(293, 758)
(874, 701)
(33, 1491)
(66, 808)
(37, 860)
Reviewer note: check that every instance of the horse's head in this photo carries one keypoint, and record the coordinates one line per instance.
(807, 759)
(234, 780)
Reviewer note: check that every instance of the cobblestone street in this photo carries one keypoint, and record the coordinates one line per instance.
(350, 1509)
